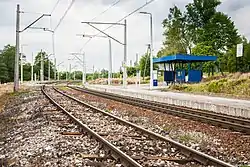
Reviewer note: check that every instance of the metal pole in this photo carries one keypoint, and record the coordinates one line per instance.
(55, 68)
(66, 74)
(42, 67)
(32, 68)
(93, 72)
(125, 55)
(151, 51)
(99, 73)
(53, 49)
(21, 58)
(137, 71)
(139, 78)
(58, 74)
(146, 59)
(16, 74)
(83, 69)
(110, 63)
(69, 71)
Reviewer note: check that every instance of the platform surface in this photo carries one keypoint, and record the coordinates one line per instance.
(228, 106)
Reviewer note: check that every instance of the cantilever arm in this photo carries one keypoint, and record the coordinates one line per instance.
(106, 34)
(35, 22)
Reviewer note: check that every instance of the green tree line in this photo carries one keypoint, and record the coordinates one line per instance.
(7, 61)
(202, 30)
(199, 29)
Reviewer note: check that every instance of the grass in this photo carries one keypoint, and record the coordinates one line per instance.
(4, 99)
(168, 128)
(232, 84)
(77, 83)
(64, 88)
(14, 94)
(186, 138)
(108, 111)
(193, 137)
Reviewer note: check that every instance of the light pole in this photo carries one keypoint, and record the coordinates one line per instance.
(83, 69)
(110, 54)
(21, 57)
(42, 67)
(32, 67)
(69, 69)
(16, 69)
(151, 47)
(74, 72)
(83, 63)
(58, 74)
(49, 66)
(53, 49)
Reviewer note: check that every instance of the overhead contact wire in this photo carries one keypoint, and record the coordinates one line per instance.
(147, 3)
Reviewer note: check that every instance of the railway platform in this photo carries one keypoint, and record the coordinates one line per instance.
(234, 107)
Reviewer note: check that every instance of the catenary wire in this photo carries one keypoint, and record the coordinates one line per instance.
(112, 5)
(65, 13)
(147, 3)
(55, 6)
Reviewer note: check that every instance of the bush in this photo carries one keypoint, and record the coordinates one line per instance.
(229, 85)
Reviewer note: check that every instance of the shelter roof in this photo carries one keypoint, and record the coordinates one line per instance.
(184, 58)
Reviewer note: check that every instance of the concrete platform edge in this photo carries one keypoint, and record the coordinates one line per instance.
(224, 109)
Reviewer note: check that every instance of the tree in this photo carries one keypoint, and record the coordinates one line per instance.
(203, 49)
(104, 73)
(209, 26)
(62, 75)
(37, 65)
(198, 15)
(144, 65)
(78, 75)
(27, 72)
(219, 32)
(3, 72)
(201, 29)
(131, 71)
(228, 60)
(7, 59)
(176, 38)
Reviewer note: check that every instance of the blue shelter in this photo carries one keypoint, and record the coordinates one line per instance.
(176, 71)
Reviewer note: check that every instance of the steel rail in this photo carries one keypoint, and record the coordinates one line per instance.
(198, 112)
(225, 121)
(128, 161)
(187, 151)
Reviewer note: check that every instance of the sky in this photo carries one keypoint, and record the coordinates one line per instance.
(97, 50)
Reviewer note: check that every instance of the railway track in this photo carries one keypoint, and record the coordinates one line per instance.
(224, 121)
(112, 151)
(86, 151)
(132, 144)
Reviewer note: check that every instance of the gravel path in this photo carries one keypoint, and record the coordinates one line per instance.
(220, 143)
(32, 133)
(147, 151)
